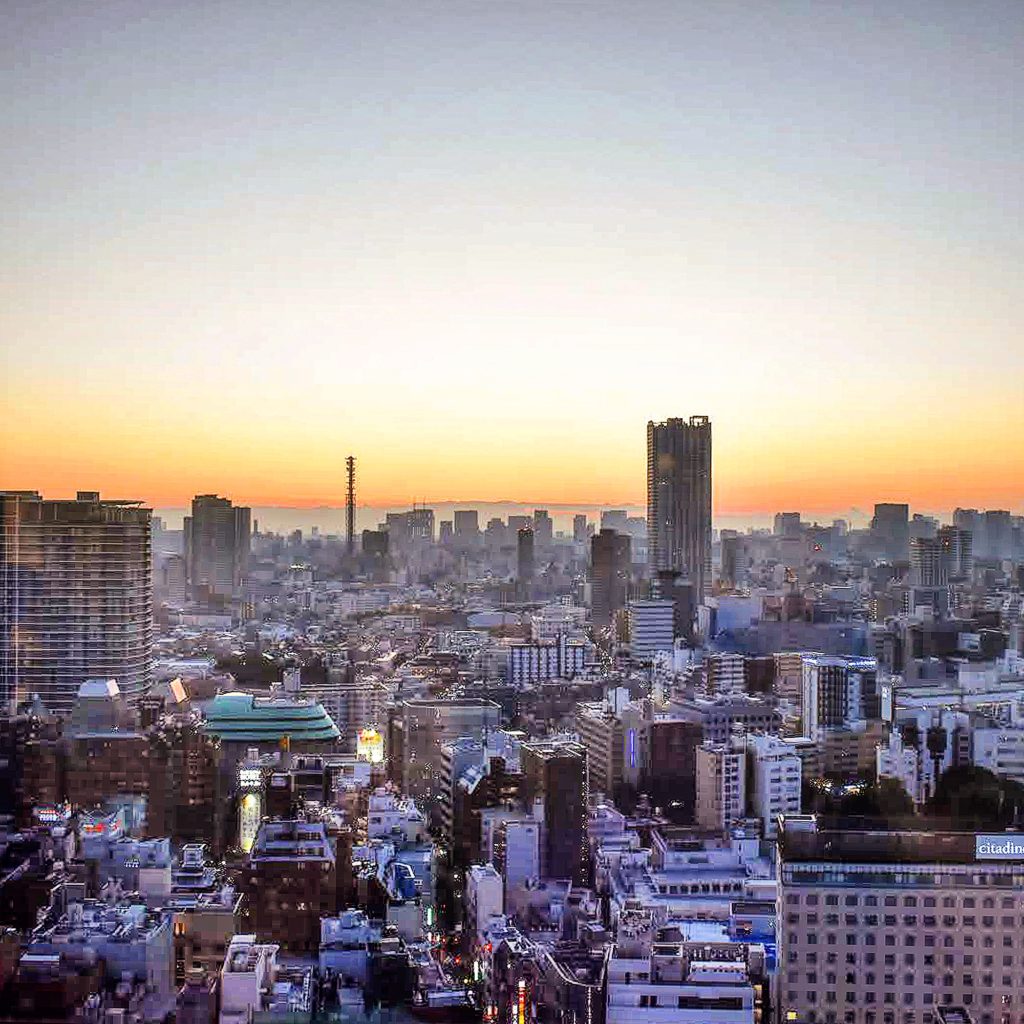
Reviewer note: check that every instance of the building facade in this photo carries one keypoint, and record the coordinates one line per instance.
(884, 927)
(76, 596)
(679, 498)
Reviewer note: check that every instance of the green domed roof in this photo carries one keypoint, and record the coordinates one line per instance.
(243, 717)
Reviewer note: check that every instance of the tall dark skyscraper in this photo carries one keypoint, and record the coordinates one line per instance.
(609, 575)
(524, 557)
(217, 543)
(555, 773)
(679, 498)
(890, 527)
(76, 596)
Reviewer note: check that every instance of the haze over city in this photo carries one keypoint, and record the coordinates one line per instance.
(481, 245)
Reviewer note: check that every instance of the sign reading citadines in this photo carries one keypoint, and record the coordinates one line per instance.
(999, 847)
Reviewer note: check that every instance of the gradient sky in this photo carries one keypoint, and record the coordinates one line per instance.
(481, 244)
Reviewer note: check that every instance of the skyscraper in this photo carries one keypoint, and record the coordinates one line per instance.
(609, 575)
(467, 526)
(679, 498)
(579, 528)
(543, 528)
(890, 527)
(76, 596)
(217, 541)
(524, 557)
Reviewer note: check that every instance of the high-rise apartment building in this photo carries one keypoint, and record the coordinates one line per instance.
(609, 575)
(217, 542)
(76, 596)
(721, 784)
(927, 567)
(838, 693)
(679, 498)
(957, 550)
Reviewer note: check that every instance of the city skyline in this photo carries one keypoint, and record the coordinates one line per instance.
(512, 512)
(486, 244)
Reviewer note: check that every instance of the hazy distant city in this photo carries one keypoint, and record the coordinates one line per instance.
(511, 513)
(465, 766)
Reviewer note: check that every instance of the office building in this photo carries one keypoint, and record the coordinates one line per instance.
(525, 558)
(657, 975)
(291, 881)
(76, 597)
(105, 754)
(651, 628)
(884, 925)
(579, 529)
(669, 585)
(609, 576)
(420, 729)
(375, 544)
(679, 499)
(410, 528)
(170, 581)
(774, 775)
(787, 524)
(218, 536)
(555, 777)
(997, 529)
(890, 528)
(207, 912)
(659, 753)
(937, 561)
(467, 526)
(600, 731)
(543, 528)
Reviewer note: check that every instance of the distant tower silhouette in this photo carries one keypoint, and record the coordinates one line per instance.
(350, 506)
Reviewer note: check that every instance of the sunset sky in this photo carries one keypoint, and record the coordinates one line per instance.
(479, 245)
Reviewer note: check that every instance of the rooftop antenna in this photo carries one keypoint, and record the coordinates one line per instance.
(350, 506)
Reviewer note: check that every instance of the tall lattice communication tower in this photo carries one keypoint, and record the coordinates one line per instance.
(350, 506)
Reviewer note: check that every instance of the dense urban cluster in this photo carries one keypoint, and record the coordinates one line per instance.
(626, 771)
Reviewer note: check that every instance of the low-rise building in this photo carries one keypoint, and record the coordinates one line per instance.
(291, 882)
